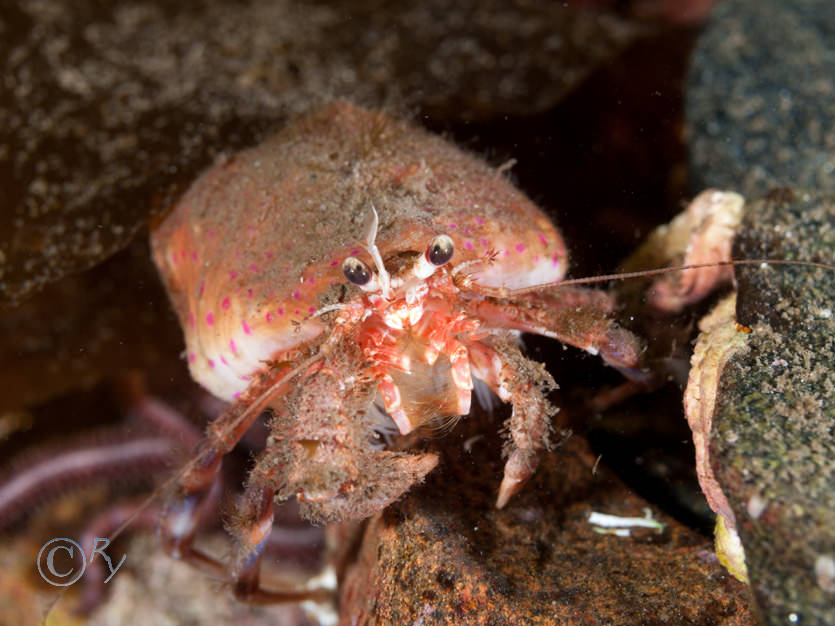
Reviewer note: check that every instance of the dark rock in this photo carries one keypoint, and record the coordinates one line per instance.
(108, 109)
(772, 444)
(111, 318)
(445, 555)
(761, 97)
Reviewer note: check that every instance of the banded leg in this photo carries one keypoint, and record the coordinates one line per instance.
(523, 383)
(195, 482)
(253, 528)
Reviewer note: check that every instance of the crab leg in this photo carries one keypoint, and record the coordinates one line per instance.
(254, 528)
(523, 383)
(322, 445)
(576, 316)
(198, 477)
(459, 359)
(319, 453)
(391, 399)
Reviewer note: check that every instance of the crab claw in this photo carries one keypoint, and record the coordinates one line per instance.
(393, 474)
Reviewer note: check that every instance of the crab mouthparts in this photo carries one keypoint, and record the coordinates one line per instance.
(421, 384)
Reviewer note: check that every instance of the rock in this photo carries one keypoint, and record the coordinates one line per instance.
(87, 326)
(761, 97)
(108, 110)
(157, 589)
(444, 555)
(771, 445)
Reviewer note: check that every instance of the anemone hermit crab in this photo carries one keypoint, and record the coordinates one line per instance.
(354, 275)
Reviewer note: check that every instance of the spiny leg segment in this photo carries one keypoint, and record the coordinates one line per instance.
(524, 383)
(575, 316)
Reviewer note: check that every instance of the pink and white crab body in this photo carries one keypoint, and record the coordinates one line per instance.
(355, 261)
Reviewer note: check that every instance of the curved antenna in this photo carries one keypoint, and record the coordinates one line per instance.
(368, 244)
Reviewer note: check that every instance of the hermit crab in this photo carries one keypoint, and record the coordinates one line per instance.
(354, 276)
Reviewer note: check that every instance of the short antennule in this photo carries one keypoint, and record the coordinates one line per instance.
(382, 275)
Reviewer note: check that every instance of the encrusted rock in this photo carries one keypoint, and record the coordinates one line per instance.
(761, 97)
(445, 555)
(762, 408)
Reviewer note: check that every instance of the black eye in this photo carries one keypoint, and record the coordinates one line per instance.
(440, 250)
(356, 271)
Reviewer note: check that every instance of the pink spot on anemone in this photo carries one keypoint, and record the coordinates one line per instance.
(311, 309)
(543, 239)
(479, 220)
(211, 363)
(468, 245)
(297, 294)
(192, 357)
(246, 327)
(280, 311)
(223, 360)
(233, 275)
(210, 318)
(201, 289)
(225, 304)
(253, 267)
(268, 317)
(233, 347)
(520, 247)
(236, 395)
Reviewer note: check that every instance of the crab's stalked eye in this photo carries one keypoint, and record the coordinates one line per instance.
(356, 271)
(440, 250)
